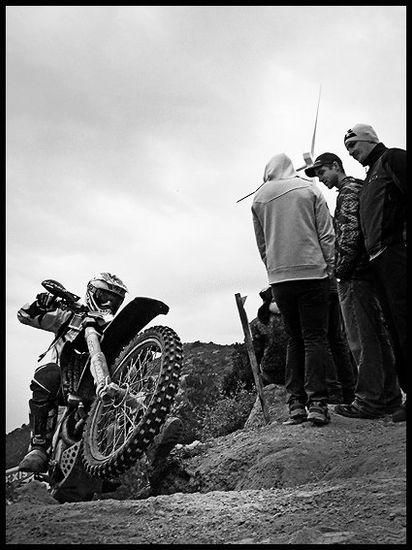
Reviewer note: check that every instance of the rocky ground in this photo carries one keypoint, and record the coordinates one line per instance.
(265, 484)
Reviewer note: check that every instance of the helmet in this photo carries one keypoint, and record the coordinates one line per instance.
(105, 293)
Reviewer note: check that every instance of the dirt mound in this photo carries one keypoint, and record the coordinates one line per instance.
(277, 455)
(33, 493)
(342, 483)
(285, 456)
(350, 512)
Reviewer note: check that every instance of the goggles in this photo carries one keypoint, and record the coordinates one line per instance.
(106, 297)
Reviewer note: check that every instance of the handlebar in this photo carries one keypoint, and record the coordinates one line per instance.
(64, 298)
(65, 304)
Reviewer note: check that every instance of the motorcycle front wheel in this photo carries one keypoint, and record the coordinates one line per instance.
(147, 370)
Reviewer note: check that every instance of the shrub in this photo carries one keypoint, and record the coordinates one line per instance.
(199, 391)
(241, 374)
(228, 414)
(206, 409)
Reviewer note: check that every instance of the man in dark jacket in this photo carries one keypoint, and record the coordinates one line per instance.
(382, 211)
(377, 390)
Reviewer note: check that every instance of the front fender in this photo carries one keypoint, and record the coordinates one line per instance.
(129, 322)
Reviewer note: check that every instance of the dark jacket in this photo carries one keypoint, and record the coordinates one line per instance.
(383, 199)
(351, 258)
(270, 342)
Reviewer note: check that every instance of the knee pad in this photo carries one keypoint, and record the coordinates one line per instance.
(45, 384)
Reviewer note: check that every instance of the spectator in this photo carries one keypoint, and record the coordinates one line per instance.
(377, 390)
(342, 373)
(382, 213)
(269, 340)
(295, 238)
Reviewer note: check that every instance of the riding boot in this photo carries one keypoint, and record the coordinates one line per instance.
(164, 442)
(42, 423)
(158, 451)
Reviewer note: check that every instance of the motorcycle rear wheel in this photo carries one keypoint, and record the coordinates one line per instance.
(116, 435)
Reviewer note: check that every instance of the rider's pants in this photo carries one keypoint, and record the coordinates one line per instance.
(45, 387)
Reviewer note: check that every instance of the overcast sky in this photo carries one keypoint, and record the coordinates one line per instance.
(132, 131)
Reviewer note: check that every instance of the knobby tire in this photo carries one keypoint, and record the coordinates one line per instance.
(138, 366)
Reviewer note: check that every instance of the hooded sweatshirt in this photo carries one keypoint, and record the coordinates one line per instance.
(293, 226)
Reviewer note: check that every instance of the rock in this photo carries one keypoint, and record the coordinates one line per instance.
(275, 398)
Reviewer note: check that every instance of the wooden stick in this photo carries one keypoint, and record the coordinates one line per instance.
(252, 356)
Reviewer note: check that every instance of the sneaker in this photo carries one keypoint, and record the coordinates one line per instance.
(318, 413)
(392, 409)
(351, 411)
(335, 399)
(400, 414)
(297, 411)
(348, 398)
(35, 461)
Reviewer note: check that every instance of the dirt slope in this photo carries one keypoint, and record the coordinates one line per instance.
(343, 483)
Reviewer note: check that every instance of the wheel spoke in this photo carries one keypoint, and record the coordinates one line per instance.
(127, 423)
(138, 374)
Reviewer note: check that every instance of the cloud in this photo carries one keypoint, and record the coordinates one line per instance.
(133, 130)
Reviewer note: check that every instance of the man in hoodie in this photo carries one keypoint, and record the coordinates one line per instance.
(382, 211)
(295, 238)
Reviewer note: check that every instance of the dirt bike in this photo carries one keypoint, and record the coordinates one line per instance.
(117, 386)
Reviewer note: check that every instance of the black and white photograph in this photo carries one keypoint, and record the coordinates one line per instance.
(205, 274)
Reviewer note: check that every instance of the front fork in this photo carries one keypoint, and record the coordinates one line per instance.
(106, 390)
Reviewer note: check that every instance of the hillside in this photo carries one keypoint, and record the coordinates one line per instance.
(264, 484)
(343, 483)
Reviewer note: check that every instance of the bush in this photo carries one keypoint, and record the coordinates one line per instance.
(240, 375)
(212, 403)
(199, 392)
(227, 414)
(206, 411)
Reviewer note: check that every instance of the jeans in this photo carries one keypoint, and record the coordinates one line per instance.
(377, 390)
(304, 307)
(341, 373)
(390, 270)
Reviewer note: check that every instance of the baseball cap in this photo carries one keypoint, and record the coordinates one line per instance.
(361, 132)
(324, 158)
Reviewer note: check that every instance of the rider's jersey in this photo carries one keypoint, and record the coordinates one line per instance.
(55, 321)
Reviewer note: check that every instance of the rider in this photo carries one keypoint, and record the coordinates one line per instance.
(105, 294)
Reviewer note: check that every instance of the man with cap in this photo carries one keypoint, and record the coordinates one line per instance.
(377, 390)
(382, 212)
